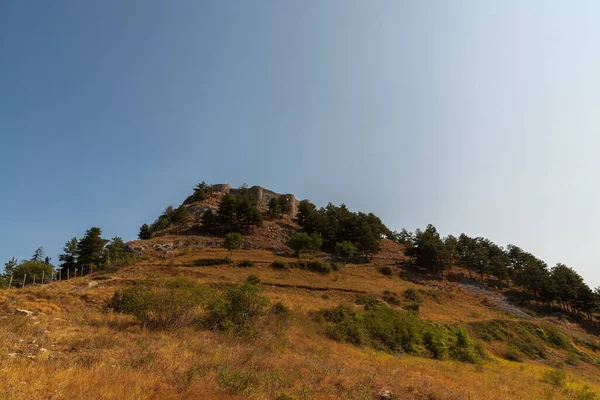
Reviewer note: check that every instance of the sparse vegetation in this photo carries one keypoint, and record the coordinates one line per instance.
(303, 241)
(384, 328)
(237, 309)
(161, 304)
(232, 242)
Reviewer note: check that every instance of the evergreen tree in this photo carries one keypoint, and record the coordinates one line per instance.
(90, 248)
(284, 205)
(203, 191)
(430, 251)
(115, 250)
(180, 215)
(274, 208)
(145, 232)
(38, 255)
(303, 241)
(68, 260)
(9, 266)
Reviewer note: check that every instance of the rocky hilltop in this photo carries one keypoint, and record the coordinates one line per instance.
(262, 195)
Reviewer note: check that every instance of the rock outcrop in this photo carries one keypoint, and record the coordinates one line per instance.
(262, 195)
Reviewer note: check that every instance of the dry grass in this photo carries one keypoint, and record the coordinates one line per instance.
(73, 349)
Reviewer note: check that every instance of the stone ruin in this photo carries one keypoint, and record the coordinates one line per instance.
(262, 195)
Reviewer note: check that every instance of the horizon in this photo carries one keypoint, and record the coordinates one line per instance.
(477, 119)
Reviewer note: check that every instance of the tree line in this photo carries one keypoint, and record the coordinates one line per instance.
(559, 285)
(90, 253)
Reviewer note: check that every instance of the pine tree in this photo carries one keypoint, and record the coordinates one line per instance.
(38, 255)
(91, 247)
(284, 205)
(274, 208)
(145, 232)
(68, 260)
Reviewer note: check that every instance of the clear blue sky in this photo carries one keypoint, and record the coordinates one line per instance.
(479, 117)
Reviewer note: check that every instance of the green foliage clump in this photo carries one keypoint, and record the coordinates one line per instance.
(280, 264)
(430, 251)
(236, 380)
(145, 232)
(555, 377)
(413, 295)
(368, 301)
(345, 249)
(232, 242)
(338, 224)
(303, 241)
(316, 265)
(384, 328)
(236, 213)
(161, 304)
(245, 263)
(203, 191)
(279, 206)
(513, 354)
(253, 279)
(386, 271)
(237, 309)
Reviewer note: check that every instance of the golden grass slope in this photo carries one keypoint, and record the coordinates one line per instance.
(74, 349)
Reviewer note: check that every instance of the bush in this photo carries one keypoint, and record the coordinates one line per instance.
(413, 295)
(161, 304)
(336, 266)
(237, 309)
(555, 377)
(245, 263)
(386, 271)
(513, 354)
(253, 280)
(557, 338)
(317, 265)
(303, 241)
(279, 264)
(384, 328)
(345, 249)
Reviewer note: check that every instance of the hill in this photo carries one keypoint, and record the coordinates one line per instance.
(353, 331)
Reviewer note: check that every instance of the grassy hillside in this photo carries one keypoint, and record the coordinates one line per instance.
(74, 348)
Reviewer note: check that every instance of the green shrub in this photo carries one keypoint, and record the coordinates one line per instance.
(414, 307)
(555, 377)
(413, 295)
(316, 265)
(235, 380)
(303, 241)
(386, 271)
(237, 309)
(245, 263)
(513, 354)
(280, 309)
(384, 328)
(345, 249)
(392, 300)
(161, 303)
(368, 301)
(336, 266)
(253, 279)
(557, 338)
(279, 264)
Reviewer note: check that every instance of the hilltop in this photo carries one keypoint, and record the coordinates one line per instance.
(321, 325)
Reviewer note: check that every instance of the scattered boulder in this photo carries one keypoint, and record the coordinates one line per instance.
(385, 395)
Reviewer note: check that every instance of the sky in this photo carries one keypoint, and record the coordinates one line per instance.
(475, 116)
